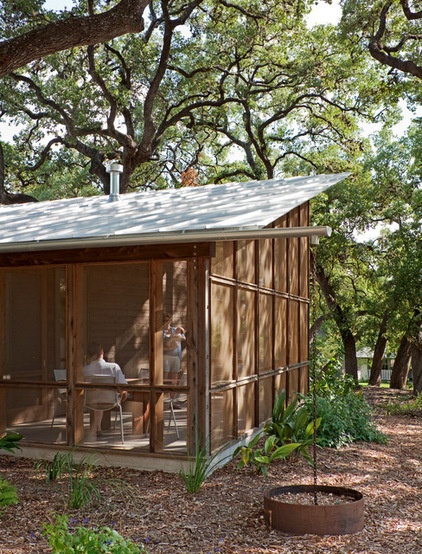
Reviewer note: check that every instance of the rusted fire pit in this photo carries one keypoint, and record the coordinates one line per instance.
(342, 515)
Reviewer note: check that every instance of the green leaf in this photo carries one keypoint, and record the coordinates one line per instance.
(283, 451)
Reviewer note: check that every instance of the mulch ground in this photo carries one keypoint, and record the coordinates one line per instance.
(226, 515)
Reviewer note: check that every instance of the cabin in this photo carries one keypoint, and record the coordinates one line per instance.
(228, 263)
(364, 358)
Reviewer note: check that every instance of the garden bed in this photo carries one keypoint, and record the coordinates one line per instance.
(227, 514)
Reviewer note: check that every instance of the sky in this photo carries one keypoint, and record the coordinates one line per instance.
(325, 13)
(57, 4)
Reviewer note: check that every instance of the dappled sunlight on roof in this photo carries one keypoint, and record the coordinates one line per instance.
(248, 205)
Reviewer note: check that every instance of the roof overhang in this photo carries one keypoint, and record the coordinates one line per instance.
(208, 235)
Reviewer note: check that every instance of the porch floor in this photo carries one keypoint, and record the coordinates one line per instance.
(46, 432)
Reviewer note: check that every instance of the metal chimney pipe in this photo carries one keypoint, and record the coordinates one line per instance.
(114, 169)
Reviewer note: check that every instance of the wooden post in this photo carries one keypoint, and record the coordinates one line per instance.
(3, 414)
(156, 367)
(75, 352)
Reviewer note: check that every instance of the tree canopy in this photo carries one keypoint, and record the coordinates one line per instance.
(372, 280)
(243, 91)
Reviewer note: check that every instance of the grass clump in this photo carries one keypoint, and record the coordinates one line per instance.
(82, 489)
(198, 469)
(61, 464)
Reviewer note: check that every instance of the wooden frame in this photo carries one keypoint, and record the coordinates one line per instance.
(272, 273)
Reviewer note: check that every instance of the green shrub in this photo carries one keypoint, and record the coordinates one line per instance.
(332, 382)
(345, 415)
(8, 494)
(66, 539)
(344, 419)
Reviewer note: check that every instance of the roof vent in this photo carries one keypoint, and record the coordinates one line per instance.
(114, 170)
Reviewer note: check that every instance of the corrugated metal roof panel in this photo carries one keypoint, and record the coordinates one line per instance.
(242, 205)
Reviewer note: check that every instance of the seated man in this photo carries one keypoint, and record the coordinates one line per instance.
(98, 366)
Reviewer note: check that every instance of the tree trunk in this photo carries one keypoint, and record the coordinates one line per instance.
(401, 364)
(417, 369)
(349, 343)
(379, 353)
(350, 359)
(416, 355)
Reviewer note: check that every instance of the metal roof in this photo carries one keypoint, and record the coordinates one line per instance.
(170, 214)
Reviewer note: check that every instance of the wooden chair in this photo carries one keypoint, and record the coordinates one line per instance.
(104, 399)
(169, 405)
(175, 401)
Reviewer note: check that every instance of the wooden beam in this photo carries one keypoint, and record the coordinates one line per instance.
(101, 255)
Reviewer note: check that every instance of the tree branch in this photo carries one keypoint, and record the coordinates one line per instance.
(125, 17)
(381, 53)
(408, 12)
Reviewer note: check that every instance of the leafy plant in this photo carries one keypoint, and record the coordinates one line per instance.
(289, 423)
(66, 539)
(290, 432)
(261, 458)
(8, 494)
(292, 424)
(9, 441)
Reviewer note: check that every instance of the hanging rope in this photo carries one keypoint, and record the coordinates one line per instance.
(313, 354)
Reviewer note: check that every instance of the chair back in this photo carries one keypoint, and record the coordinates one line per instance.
(101, 399)
(143, 374)
(59, 374)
